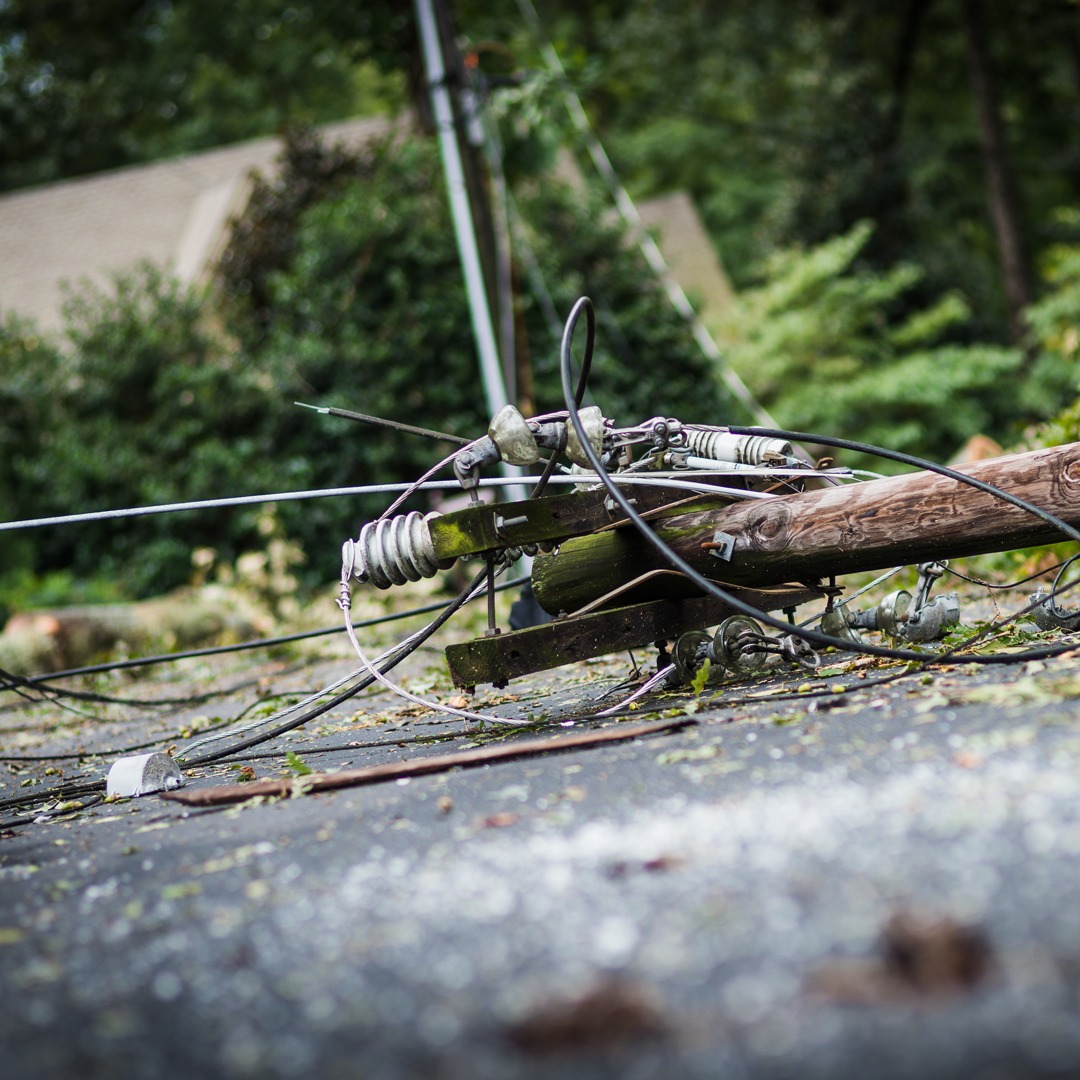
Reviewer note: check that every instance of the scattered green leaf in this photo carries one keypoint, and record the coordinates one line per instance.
(697, 753)
(701, 677)
(298, 766)
(181, 890)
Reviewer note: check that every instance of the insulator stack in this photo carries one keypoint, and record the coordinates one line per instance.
(397, 549)
(720, 445)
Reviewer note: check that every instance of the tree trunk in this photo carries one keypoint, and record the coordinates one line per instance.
(889, 134)
(48, 640)
(1001, 189)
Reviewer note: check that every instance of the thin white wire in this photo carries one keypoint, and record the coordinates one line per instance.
(367, 489)
(396, 688)
(866, 588)
(643, 689)
(698, 487)
(468, 714)
(416, 485)
(263, 721)
(855, 595)
(735, 469)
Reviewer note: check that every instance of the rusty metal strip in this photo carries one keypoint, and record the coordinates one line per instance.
(375, 774)
(502, 657)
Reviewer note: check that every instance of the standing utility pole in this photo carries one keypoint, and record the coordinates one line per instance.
(461, 209)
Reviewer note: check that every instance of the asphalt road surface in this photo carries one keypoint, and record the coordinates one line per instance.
(821, 876)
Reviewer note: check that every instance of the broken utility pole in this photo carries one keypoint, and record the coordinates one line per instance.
(671, 527)
(839, 530)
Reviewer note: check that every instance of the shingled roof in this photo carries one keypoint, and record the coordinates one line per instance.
(172, 213)
(175, 214)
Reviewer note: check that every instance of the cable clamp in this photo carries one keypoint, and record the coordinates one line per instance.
(348, 565)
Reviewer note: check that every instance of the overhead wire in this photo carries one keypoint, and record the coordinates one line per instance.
(255, 643)
(405, 488)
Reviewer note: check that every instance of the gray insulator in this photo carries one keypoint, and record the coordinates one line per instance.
(835, 624)
(721, 445)
(592, 420)
(396, 550)
(510, 432)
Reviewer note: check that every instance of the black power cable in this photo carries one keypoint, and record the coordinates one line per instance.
(241, 646)
(67, 791)
(19, 683)
(404, 651)
(711, 588)
(1007, 584)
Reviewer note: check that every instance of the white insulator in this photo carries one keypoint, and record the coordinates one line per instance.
(743, 449)
(397, 549)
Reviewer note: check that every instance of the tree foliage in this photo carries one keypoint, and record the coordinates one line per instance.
(834, 149)
(90, 86)
(835, 347)
(342, 287)
(792, 120)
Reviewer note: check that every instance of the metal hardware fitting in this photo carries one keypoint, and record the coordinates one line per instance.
(722, 545)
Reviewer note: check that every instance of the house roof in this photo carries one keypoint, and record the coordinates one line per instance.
(688, 251)
(175, 214)
(172, 213)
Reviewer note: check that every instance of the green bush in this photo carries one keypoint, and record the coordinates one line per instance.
(833, 348)
(1055, 328)
(144, 405)
(342, 287)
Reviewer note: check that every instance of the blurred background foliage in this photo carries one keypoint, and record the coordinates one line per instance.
(894, 191)
(342, 286)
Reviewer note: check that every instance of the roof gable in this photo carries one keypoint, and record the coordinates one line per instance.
(171, 213)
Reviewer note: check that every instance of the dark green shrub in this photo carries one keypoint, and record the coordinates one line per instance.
(342, 287)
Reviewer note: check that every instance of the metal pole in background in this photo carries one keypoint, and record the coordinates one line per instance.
(468, 250)
(461, 212)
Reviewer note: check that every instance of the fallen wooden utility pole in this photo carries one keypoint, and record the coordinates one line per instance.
(815, 535)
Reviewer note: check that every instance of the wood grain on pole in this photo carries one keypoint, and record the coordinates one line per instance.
(838, 530)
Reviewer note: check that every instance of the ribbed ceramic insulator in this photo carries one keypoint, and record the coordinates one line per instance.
(721, 445)
(396, 550)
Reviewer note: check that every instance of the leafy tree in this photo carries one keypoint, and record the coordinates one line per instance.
(85, 87)
(1055, 329)
(342, 287)
(791, 121)
(144, 406)
(834, 348)
(30, 377)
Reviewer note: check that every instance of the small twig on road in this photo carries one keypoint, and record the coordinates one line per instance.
(234, 793)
